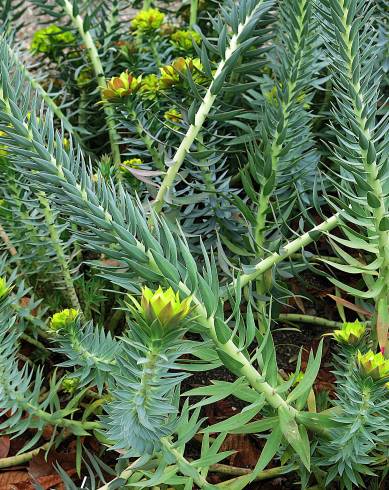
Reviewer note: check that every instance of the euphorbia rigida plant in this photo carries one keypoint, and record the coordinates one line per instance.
(231, 157)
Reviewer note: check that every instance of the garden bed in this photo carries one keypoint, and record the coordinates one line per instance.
(194, 245)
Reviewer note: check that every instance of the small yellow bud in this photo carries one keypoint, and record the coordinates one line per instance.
(147, 20)
(373, 365)
(164, 306)
(63, 319)
(3, 287)
(173, 116)
(70, 384)
(184, 40)
(350, 333)
(173, 74)
(127, 166)
(133, 162)
(150, 86)
(51, 39)
(122, 86)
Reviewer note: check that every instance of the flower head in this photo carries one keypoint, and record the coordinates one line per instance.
(172, 75)
(122, 86)
(373, 365)
(173, 116)
(70, 384)
(3, 287)
(350, 333)
(133, 162)
(126, 169)
(164, 306)
(63, 319)
(183, 40)
(147, 20)
(150, 86)
(50, 39)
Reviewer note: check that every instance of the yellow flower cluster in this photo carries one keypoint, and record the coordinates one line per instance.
(122, 86)
(3, 287)
(184, 40)
(173, 116)
(150, 86)
(70, 384)
(133, 163)
(172, 75)
(51, 38)
(63, 319)
(164, 306)
(350, 333)
(373, 365)
(147, 20)
(125, 169)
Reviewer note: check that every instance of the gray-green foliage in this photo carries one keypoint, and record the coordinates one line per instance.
(360, 151)
(67, 207)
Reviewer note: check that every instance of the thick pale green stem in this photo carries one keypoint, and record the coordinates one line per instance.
(34, 342)
(72, 425)
(313, 320)
(276, 147)
(200, 117)
(225, 469)
(21, 459)
(100, 76)
(60, 254)
(371, 168)
(247, 369)
(52, 419)
(249, 372)
(193, 12)
(287, 250)
(124, 475)
(286, 103)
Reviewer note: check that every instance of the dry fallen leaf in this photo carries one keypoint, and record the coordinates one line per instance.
(350, 306)
(4, 446)
(41, 466)
(8, 479)
(50, 482)
(247, 452)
